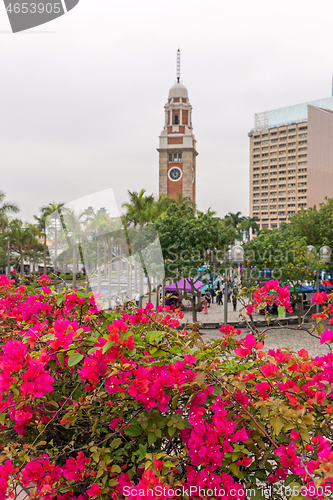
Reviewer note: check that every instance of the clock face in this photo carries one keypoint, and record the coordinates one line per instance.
(175, 174)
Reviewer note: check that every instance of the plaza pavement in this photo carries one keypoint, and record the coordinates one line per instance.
(276, 337)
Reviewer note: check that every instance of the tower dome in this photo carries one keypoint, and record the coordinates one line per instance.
(178, 90)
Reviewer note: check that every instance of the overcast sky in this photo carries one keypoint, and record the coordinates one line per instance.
(81, 102)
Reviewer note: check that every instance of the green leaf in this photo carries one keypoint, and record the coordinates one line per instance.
(115, 468)
(75, 358)
(115, 443)
(93, 350)
(138, 342)
(168, 464)
(2, 418)
(235, 470)
(133, 430)
(151, 438)
(142, 451)
(154, 336)
(107, 346)
(61, 359)
(171, 431)
(277, 424)
(175, 400)
(60, 298)
(112, 482)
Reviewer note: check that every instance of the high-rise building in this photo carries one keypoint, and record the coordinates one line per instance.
(285, 146)
(177, 145)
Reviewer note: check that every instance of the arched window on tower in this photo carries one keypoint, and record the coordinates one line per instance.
(175, 116)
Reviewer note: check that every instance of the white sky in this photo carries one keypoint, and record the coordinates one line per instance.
(81, 98)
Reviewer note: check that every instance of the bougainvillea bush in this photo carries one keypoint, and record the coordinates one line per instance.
(123, 405)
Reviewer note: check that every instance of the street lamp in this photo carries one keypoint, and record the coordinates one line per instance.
(325, 254)
(235, 255)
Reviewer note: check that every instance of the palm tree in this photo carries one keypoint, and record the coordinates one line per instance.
(53, 211)
(20, 237)
(5, 209)
(141, 209)
(250, 223)
(33, 243)
(183, 200)
(6, 238)
(41, 225)
(72, 227)
(46, 211)
(233, 220)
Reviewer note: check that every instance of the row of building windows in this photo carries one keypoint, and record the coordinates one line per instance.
(280, 172)
(283, 135)
(281, 205)
(281, 165)
(175, 157)
(301, 154)
(284, 131)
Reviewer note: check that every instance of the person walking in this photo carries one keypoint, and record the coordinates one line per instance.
(208, 298)
(229, 294)
(205, 305)
(212, 293)
(137, 298)
(219, 298)
(234, 302)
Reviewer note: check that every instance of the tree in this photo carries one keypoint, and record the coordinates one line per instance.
(6, 208)
(278, 254)
(33, 244)
(53, 211)
(249, 223)
(190, 242)
(233, 220)
(41, 225)
(315, 224)
(20, 238)
(46, 212)
(181, 200)
(142, 210)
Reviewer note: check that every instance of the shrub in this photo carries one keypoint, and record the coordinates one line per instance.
(106, 405)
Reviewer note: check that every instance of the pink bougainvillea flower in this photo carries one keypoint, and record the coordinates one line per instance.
(249, 309)
(320, 298)
(242, 353)
(269, 370)
(44, 280)
(94, 490)
(326, 336)
(190, 359)
(249, 341)
(263, 388)
(320, 397)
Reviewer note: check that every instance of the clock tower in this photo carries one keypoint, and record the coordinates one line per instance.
(177, 148)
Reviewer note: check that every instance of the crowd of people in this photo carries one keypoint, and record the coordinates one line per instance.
(218, 292)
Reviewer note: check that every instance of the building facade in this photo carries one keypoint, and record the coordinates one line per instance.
(320, 155)
(281, 166)
(177, 147)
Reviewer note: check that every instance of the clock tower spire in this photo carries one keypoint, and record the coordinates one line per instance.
(177, 145)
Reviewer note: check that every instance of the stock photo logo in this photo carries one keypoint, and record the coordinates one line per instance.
(23, 14)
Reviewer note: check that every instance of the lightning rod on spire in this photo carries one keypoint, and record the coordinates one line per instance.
(178, 66)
